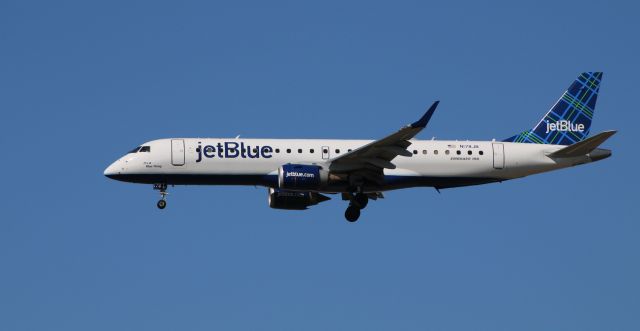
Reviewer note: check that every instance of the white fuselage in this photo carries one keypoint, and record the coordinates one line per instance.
(436, 163)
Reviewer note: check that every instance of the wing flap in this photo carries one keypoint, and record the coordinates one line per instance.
(379, 162)
(394, 150)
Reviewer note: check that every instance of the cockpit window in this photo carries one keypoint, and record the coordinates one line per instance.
(135, 150)
(145, 149)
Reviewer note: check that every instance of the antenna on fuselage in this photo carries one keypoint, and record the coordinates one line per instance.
(238, 136)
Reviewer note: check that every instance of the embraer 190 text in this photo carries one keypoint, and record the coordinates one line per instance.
(300, 172)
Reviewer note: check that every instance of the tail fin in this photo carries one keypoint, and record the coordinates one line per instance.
(569, 120)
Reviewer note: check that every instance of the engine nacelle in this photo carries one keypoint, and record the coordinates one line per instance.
(302, 177)
(294, 200)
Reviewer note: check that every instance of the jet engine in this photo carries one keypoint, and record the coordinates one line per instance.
(294, 200)
(302, 177)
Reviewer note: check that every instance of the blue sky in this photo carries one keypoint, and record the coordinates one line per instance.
(83, 82)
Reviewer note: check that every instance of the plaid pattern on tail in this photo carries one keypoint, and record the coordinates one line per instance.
(569, 120)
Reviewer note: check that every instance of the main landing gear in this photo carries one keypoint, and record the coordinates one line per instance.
(162, 203)
(356, 204)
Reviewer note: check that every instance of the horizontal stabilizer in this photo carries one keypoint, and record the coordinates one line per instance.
(584, 147)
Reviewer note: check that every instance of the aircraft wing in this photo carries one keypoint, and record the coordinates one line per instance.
(370, 160)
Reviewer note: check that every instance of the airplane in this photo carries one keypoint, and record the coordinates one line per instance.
(299, 173)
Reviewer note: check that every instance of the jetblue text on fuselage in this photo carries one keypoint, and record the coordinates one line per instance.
(232, 150)
(564, 125)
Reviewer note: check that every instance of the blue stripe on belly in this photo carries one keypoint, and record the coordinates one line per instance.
(390, 182)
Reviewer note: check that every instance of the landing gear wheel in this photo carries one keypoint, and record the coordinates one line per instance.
(163, 194)
(352, 213)
(361, 200)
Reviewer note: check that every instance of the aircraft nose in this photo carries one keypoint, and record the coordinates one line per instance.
(112, 170)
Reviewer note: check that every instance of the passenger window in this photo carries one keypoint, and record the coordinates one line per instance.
(481, 152)
(145, 149)
(277, 150)
(325, 151)
(446, 152)
(311, 151)
(458, 152)
(337, 151)
(424, 151)
(349, 150)
(415, 151)
(435, 151)
(300, 150)
(288, 150)
(469, 152)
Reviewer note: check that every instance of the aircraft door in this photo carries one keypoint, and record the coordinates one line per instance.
(498, 156)
(325, 152)
(177, 152)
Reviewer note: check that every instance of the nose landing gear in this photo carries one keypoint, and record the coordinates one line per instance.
(162, 203)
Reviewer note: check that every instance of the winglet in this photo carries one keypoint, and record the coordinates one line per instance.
(422, 122)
